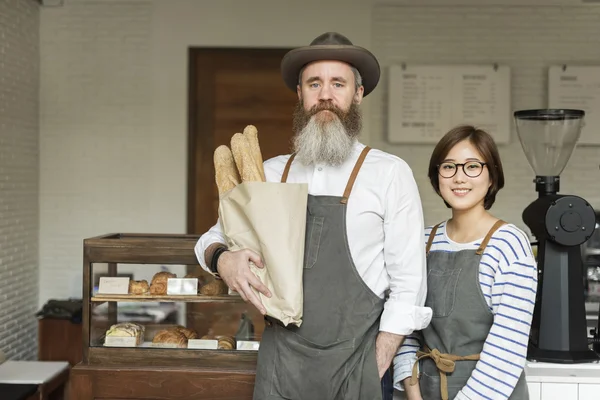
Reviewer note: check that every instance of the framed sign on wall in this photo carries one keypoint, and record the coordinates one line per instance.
(425, 101)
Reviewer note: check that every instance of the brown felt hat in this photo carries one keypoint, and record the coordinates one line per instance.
(331, 46)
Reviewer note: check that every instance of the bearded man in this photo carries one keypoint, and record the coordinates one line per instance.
(364, 262)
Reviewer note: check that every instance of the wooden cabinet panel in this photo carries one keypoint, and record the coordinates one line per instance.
(59, 340)
(159, 383)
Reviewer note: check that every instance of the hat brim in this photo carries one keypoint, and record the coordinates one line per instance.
(363, 60)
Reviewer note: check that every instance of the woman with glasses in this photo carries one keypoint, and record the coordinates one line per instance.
(481, 284)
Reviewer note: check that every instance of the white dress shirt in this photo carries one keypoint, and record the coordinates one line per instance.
(385, 226)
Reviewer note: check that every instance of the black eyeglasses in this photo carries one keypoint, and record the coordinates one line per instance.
(472, 169)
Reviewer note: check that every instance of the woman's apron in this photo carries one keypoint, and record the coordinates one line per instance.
(460, 325)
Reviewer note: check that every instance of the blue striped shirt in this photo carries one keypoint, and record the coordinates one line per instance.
(508, 279)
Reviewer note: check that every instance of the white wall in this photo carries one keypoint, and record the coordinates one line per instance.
(528, 39)
(99, 158)
(114, 97)
(19, 176)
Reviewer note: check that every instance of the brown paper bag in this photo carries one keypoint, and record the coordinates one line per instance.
(270, 218)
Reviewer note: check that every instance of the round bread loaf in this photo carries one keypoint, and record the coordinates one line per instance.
(158, 286)
(215, 287)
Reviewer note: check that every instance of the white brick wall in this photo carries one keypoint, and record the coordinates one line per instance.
(19, 175)
(528, 39)
(98, 152)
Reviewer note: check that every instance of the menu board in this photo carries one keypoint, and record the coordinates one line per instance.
(427, 101)
(577, 87)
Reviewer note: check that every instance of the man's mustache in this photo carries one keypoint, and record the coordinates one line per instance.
(326, 106)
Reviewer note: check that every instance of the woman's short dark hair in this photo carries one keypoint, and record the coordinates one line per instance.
(485, 145)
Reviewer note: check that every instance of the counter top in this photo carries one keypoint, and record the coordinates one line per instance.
(30, 372)
(563, 373)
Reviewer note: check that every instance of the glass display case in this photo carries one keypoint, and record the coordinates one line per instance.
(149, 306)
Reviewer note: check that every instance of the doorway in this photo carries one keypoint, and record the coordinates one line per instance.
(230, 88)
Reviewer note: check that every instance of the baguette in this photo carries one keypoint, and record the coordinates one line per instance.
(251, 134)
(237, 149)
(226, 174)
(240, 147)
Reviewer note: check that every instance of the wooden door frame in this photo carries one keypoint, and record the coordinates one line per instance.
(200, 134)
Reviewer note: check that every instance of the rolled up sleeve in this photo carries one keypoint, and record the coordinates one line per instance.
(404, 254)
(213, 235)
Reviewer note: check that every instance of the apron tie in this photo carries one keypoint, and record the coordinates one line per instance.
(445, 364)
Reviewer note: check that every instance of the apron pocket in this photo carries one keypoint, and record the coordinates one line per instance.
(441, 291)
(313, 240)
(430, 386)
(304, 370)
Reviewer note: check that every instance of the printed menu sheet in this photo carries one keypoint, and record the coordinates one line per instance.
(577, 87)
(427, 101)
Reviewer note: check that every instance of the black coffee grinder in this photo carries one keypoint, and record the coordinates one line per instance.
(560, 223)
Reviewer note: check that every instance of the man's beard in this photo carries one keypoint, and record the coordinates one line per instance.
(328, 141)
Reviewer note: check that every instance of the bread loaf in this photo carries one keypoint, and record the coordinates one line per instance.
(216, 287)
(203, 279)
(127, 329)
(226, 174)
(251, 135)
(226, 343)
(139, 287)
(188, 333)
(240, 147)
(159, 282)
(168, 336)
(242, 163)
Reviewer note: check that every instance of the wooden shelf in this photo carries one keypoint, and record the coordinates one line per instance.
(224, 298)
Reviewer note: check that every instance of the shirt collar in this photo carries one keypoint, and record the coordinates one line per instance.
(357, 148)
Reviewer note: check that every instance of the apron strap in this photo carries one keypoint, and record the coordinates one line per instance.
(445, 364)
(353, 175)
(286, 170)
(483, 245)
(431, 237)
(357, 166)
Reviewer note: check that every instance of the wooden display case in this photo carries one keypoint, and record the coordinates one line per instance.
(146, 372)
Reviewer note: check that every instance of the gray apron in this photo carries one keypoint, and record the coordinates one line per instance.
(331, 356)
(460, 325)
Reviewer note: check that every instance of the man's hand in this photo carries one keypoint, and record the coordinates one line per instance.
(234, 269)
(386, 346)
(412, 392)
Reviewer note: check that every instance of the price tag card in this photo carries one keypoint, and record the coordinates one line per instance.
(182, 286)
(204, 344)
(120, 341)
(247, 345)
(113, 285)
